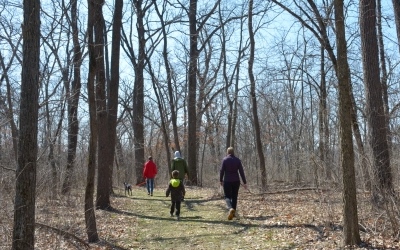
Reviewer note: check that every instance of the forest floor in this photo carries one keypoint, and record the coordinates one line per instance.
(289, 219)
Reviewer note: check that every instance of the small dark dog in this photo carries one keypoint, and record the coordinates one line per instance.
(128, 188)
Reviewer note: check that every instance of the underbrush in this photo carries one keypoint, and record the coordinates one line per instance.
(293, 219)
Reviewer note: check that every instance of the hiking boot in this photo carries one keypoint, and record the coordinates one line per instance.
(231, 214)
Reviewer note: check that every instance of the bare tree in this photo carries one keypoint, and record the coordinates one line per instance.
(382, 61)
(73, 98)
(161, 119)
(257, 129)
(138, 61)
(192, 87)
(51, 137)
(351, 234)
(195, 102)
(377, 118)
(169, 75)
(90, 216)
(25, 191)
(138, 98)
(10, 61)
(107, 101)
(113, 86)
(104, 169)
(373, 93)
(10, 107)
(318, 26)
(396, 8)
(323, 120)
(58, 59)
(346, 110)
(232, 95)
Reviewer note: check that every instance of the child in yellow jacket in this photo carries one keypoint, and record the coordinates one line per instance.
(177, 191)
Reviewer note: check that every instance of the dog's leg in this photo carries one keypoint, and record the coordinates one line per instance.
(130, 189)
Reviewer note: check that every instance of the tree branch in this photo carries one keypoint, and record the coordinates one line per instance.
(64, 233)
(9, 169)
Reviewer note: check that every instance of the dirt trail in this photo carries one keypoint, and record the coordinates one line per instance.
(203, 223)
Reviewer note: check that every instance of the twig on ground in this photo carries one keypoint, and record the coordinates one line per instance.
(64, 233)
(9, 169)
(286, 191)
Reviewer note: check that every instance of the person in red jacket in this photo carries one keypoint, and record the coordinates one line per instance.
(149, 172)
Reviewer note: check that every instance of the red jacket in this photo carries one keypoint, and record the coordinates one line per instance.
(150, 169)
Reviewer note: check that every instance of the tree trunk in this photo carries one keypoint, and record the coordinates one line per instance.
(373, 92)
(104, 169)
(351, 234)
(323, 121)
(51, 140)
(382, 60)
(171, 99)
(138, 108)
(396, 8)
(157, 91)
(232, 96)
(257, 129)
(90, 216)
(112, 98)
(192, 81)
(121, 159)
(176, 146)
(360, 146)
(73, 100)
(25, 190)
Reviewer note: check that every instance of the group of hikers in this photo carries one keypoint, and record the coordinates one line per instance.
(229, 176)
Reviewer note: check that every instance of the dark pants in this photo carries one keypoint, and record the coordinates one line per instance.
(182, 181)
(150, 185)
(231, 190)
(177, 205)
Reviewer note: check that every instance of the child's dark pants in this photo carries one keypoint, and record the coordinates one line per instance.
(177, 205)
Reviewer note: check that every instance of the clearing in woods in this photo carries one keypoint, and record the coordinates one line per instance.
(294, 219)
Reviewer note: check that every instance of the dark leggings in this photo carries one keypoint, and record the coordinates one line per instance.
(177, 205)
(231, 190)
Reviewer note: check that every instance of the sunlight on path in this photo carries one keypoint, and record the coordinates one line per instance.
(203, 223)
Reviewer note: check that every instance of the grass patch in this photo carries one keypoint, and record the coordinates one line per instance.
(203, 223)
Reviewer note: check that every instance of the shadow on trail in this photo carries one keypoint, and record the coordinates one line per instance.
(236, 223)
(190, 203)
(241, 226)
(184, 238)
(110, 245)
(194, 219)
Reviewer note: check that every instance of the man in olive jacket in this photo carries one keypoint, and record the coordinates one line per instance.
(178, 163)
